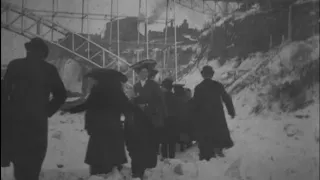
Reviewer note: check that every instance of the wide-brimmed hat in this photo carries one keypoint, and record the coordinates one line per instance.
(37, 45)
(148, 64)
(107, 75)
(207, 70)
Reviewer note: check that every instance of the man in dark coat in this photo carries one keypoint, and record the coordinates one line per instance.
(170, 135)
(149, 97)
(28, 84)
(103, 107)
(210, 123)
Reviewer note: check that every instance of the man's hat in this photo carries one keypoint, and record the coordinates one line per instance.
(38, 45)
(207, 70)
(167, 83)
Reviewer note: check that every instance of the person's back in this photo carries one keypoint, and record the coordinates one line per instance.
(211, 128)
(211, 96)
(28, 84)
(32, 82)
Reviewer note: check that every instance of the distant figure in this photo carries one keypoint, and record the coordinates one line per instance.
(103, 108)
(211, 128)
(28, 84)
(145, 136)
(183, 116)
(171, 134)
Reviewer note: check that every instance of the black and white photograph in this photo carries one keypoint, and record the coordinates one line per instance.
(160, 89)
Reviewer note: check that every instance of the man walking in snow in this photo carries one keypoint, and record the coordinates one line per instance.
(28, 84)
(211, 128)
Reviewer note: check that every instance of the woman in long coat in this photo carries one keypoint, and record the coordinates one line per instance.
(143, 135)
(104, 106)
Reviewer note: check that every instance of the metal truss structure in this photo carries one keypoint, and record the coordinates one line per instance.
(200, 6)
(81, 46)
(207, 7)
(84, 49)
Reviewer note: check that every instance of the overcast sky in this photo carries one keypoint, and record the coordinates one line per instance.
(12, 43)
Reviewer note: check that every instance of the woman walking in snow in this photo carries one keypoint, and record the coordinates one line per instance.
(104, 106)
(143, 135)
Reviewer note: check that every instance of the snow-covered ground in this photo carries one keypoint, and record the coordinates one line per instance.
(277, 147)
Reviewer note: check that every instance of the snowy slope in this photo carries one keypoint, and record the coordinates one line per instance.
(269, 145)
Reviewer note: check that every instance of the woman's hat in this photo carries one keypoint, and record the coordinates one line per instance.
(148, 64)
(105, 75)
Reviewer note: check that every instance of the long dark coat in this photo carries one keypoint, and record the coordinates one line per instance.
(152, 95)
(5, 150)
(142, 136)
(104, 107)
(209, 119)
(139, 135)
(28, 84)
(171, 123)
(184, 114)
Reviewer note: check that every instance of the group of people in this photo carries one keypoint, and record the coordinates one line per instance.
(157, 117)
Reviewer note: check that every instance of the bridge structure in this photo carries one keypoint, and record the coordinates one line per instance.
(32, 23)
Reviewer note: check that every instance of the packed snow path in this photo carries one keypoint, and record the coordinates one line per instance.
(274, 147)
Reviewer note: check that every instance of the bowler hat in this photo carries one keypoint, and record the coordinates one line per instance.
(167, 83)
(207, 70)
